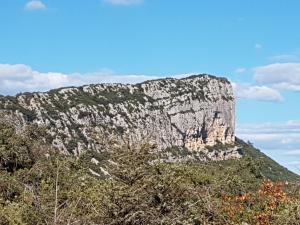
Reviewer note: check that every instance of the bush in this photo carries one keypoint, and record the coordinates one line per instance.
(137, 188)
(19, 151)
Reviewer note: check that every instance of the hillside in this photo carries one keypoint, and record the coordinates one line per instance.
(268, 167)
(159, 152)
(188, 119)
(131, 185)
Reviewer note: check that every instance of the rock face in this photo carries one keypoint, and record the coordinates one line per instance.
(192, 112)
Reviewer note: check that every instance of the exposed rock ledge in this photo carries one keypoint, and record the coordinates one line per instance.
(192, 112)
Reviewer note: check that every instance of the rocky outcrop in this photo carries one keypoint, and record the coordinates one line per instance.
(192, 112)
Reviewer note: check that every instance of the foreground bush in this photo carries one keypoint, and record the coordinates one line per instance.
(130, 186)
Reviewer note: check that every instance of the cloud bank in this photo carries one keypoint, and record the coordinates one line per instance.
(22, 78)
(259, 93)
(280, 140)
(270, 80)
(282, 76)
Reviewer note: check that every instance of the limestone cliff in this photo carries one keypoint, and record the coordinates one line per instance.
(191, 112)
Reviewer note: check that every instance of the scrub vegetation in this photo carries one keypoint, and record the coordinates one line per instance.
(128, 185)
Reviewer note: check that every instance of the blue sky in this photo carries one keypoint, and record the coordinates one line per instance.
(256, 44)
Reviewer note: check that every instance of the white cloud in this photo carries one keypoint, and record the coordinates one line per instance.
(284, 58)
(283, 76)
(288, 127)
(21, 78)
(258, 46)
(240, 70)
(123, 2)
(260, 93)
(283, 136)
(35, 5)
(295, 164)
(17, 71)
(295, 152)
